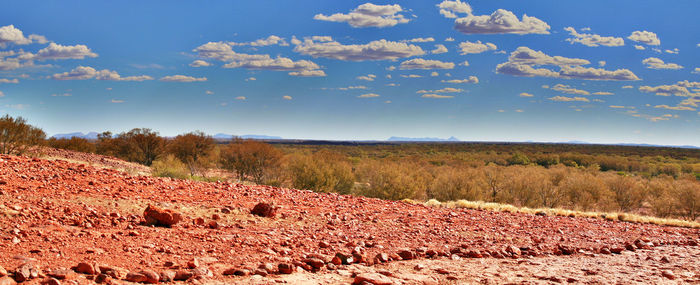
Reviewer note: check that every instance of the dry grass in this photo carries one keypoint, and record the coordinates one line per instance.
(498, 207)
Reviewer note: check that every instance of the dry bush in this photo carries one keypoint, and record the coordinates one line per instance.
(526, 185)
(324, 171)
(193, 149)
(17, 137)
(451, 184)
(250, 158)
(495, 181)
(662, 196)
(585, 191)
(74, 144)
(629, 192)
(688, 191)
(169, 166)
(138, 145)
(392, 180)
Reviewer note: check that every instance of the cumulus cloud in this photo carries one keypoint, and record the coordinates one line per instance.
(55, 52)
(251, 79)
(436, 96)
(501, 22)
(223, 52)
(422, 40)
(419, 63)
(369, 15)
(86, 72)
(602, 63)
(593, 40)
(375, 50)
(627, 87)
(675, 108)
(240, 98)
(451, 39)
(569, 99)
(525, 62)
(569, 90)
(471, 79)
(672, 51)
(182, 78)
(443, 90)
(11, 35)
(697, 70)
(368, 77)
(199, 63)
(368, 95)
(678, 89)
(525, 94)
(439, 49)
(638, 47)
(477, 47)
(271, 40)
(450, 9)
(434, 74)
(657, 63)
(603, 93)
(287, 97)
(645, 37)
(5, 80)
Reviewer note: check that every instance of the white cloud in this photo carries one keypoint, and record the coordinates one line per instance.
(116, 101)
(56, 51)
(422, 40)
(569, 90)
(368, 95)
(271, 40)
(443, 90)
(369, 15)
(411, 76)
(525, 94)
(251, 79)
(603, 93)
(627, 87)
(645, 37)
(375, 50)
(362, 87)
(471, 79)
(436, 96)
(477, 47)
(678, 89)
(86, 72)
(501, 22)
(657, 63)
(697, 70)
(602, 63)
(368, 77)
(199, 63)
(240, 98)
(675, 108)
(519, 110)
(308, 73)
(393, 84)
(593, 40)
(182, 78)
(287, 97)
(62, 95)
(672, 51)
(5, 80)
(569, 99)
(523, 62)
(208, 92)
(223, 52)
(391, 68)
(638, 47)
(451, 39)
(11, 35)
(419, 63)
(449, 9)
(465, 63)
(434, 74)
(439, 49)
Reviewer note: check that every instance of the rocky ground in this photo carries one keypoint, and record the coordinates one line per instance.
(63, 222)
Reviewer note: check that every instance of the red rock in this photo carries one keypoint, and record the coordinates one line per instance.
(668, 274)
(103, 278)
(61, 273)
(194, 263)
(314, 262)
(24, 272)
(419, 267)
(161, 217)
(135, 277)
(382, 257)
(3, 272)
(52, 281)
(201, 272)
(336, 260)
(513, 250)
(264, 210)
(152, 277)
(344, 258)
(86, 268)
(167, 276)
(617, 250)
(372, 278)
(6, 280)
(406, 254)
(182, 275)
(324, 244)
(443, 271)
(286, 268)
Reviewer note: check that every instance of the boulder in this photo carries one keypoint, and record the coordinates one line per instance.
(264, 210)
(161, 217)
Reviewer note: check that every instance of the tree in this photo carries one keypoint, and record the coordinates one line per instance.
(140, 145)
(17, 137)
(192, 149)
(73, 143)
(250, 158)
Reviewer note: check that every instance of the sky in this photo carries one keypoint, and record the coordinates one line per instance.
(546, 71)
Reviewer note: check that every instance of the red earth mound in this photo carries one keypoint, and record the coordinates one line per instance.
(56, 215)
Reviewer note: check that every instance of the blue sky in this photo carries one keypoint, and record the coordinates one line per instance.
(596, 71)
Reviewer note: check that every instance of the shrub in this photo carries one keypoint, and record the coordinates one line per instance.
(688, 198)
(192, 149)
(452, 184)
(323, 171)
(17, 137)
(585, 191)
(74, 144)
(169, 166)
(250, 158)
(391, 180)
(629, 192)
(518, 158)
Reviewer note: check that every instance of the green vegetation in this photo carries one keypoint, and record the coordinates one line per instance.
(18, 137)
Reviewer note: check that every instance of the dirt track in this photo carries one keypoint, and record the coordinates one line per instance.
(56, 214)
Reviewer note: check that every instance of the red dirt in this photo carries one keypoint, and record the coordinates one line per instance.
(57, 214)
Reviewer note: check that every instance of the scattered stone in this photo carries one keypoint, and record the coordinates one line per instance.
(382, 257)
(419, 267)
(668, 274)
(194, 263)
(135, 277)
(605, 250)
(25, 272)
(151, 276)
(182, 275)
(314, 262)
(372, 278)
(167, 276)
(52, 281)
(201, 272)
(61, 273)
(617, 250)
(286, 268)
(344, 258)
(103, 278)
(324, 244)
(407, 254)
(665, 259)
(85, 268)
(161, 217)
(513, 250)
(264, 210)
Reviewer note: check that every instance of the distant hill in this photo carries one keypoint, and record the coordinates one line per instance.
(256, 137)
(404, 139)
(90, 135)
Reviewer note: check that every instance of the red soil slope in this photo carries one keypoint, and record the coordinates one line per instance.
(55, 215)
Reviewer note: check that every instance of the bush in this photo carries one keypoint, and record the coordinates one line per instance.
(585, 191)
(74, 144)
(192, 149)
(17, 137)
(393, 181)
(451, 184)
(629, 192)
(169, 166)
(323, 171)
(250, 158)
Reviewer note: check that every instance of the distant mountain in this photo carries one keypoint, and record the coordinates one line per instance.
(90, 135)
(256, 137)
(404, 139)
